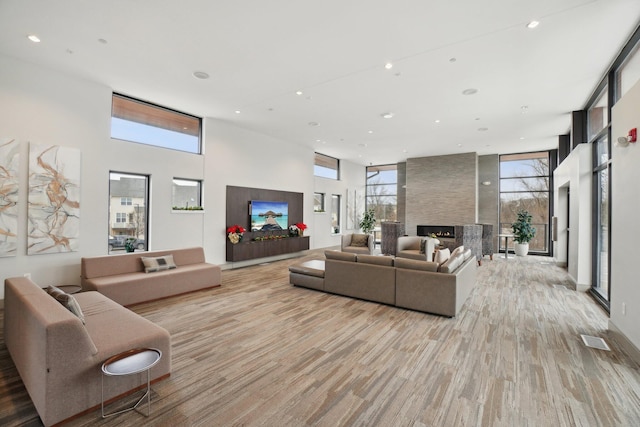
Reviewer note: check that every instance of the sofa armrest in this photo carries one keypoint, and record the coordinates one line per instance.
(345, 241)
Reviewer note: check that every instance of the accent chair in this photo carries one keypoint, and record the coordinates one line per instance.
(409, 247)
(357, 243)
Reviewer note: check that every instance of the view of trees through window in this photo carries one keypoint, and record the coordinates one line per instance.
(524, 185)
(382, 192)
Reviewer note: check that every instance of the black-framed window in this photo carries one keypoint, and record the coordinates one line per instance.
(326, 166)
(525, 180)
(186, 194)
(335, 213)
(128, 220)
(382, 192)
(145, 123)
(318, 202)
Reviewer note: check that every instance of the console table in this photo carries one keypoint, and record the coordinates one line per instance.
(253, 249)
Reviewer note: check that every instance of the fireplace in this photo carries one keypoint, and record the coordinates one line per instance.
(446, 231)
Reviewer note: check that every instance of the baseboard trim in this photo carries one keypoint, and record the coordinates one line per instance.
(624, 342)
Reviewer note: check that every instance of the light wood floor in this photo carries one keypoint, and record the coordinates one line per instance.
(260, 352)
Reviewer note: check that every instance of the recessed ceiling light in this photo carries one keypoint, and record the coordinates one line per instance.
(452, 59)
(477, 118)
(34, 38)
(70, 52)
(437, 120)
(298, 92)
(370, 131)
(459, 145)
(483, 129)
(470, 91)
(521, 138)
(200, 75)
(405, 151)
(386, 115)
(388, 65)
(533, 24)
(103, 41)
(313, 124)
(362, 145)
(237, 111)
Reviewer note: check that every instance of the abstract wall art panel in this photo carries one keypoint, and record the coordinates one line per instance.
(54, 199)
(9, 167)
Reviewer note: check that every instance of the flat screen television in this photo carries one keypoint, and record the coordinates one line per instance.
(268, 215)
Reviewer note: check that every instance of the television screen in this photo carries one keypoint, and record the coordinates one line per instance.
(269, 216)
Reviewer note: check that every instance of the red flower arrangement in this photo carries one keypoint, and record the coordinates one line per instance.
(301, 225)
(236, 229)
(235, 232)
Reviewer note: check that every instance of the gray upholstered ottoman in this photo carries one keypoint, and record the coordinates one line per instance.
(309, 274)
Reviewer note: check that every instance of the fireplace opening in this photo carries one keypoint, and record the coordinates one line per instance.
(441, 231)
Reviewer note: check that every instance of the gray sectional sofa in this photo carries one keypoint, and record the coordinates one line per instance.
(414, 284)
(59, 358)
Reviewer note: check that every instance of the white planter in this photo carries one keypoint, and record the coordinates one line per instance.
(521, 249)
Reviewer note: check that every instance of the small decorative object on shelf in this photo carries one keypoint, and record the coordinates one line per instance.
(235, 233)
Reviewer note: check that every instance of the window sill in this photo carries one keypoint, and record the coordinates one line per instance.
(184, 211)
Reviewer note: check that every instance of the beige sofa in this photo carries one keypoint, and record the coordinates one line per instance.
(123, 279)
(413, 284)
(59, 359)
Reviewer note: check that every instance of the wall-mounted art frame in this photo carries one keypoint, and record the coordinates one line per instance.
(54, 199)
(9, 177)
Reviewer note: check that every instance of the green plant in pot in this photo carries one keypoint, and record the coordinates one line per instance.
(368, 221)
(523, 232)
(129, 244)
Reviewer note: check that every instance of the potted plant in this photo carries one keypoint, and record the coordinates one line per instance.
(523, 232)
(368, 221)
(235, 233)
(129, 244)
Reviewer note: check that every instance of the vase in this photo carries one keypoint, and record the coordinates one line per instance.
(235, 238)
(300, 232)
(521, 249)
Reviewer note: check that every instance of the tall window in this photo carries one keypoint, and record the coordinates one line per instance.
(524, 185)
(628, 73)
(382, 192)
(326, 167)
(138, 121)
(318, 202)
(335, 213)
(186, 194)
(602, 213)
(128, 219)
(598, 114)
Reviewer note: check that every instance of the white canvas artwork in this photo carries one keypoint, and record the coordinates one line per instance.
(9, 168)
(54, 199)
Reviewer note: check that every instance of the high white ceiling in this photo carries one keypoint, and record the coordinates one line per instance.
(260, 52)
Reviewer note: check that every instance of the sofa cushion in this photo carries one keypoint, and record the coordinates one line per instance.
(160, 263)
(442, 256)
(359, 240)
(67, 301)
(340, 256)
(456, 251)
(375, 259)
(310, 268)
(452, 263)
(467, 254)
(412, 264)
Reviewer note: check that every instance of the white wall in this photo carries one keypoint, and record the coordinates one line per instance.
(574, 173)
(625, 227)
(45, 106)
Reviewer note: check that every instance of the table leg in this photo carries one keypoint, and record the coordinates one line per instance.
(506, 247)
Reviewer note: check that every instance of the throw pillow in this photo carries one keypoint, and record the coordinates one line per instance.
(67, 301)
(442, 256)
(152, 264)
(359, 240)
(456, 251)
